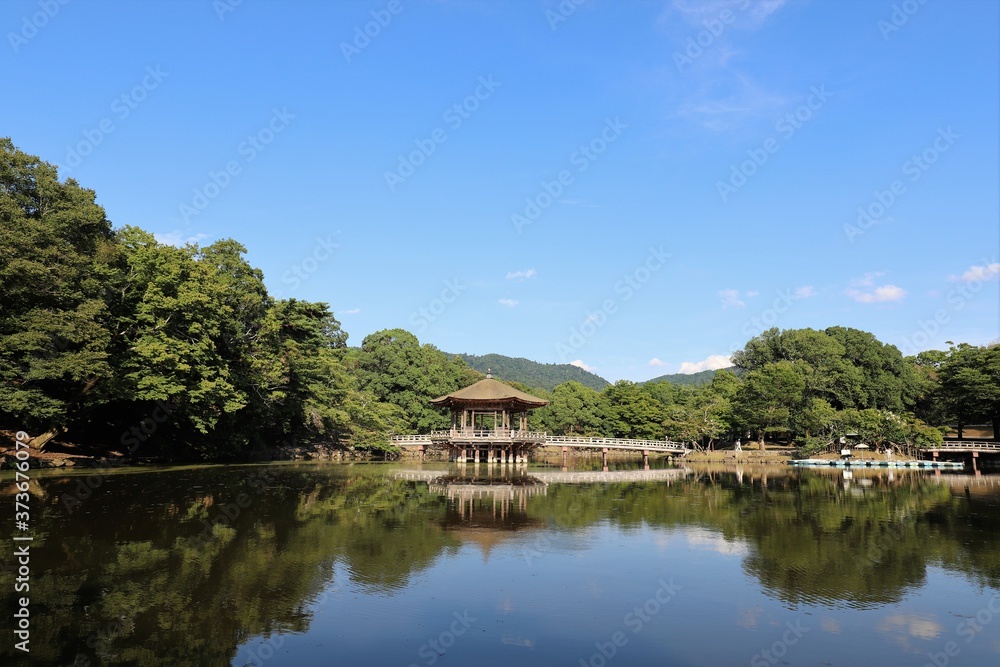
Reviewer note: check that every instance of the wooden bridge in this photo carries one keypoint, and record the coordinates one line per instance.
(513, 446)
(969, 450)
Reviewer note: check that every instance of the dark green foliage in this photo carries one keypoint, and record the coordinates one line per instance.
(699, 379)
(532, 373)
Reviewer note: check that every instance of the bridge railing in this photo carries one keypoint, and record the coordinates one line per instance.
(968, 444)
(619, 443)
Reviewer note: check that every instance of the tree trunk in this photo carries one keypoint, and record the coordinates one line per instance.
(40, 441)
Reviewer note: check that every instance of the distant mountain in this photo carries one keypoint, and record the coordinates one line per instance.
(532, 373)
(692, 379)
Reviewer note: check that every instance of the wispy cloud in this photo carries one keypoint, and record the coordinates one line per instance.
(804, 292)
(731, 297)
(711, 363)
(352, 311)
(979, 273)
(868, 280)
(723, 103)
(579, 364)
(521, 275)
(178, 239)
(510, 303)
(880, 294)
(657, 362)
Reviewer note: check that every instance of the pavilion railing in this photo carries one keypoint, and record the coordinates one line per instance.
(489, 434)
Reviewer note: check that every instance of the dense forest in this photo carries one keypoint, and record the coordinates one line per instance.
(697, 379)
(184, 353)
(532, 373)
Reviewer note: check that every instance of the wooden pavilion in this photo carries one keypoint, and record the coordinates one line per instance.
(490, 419)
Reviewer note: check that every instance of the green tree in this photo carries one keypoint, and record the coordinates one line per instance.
(970, 385)
(767, 397)
(56, 252)
(573, 409)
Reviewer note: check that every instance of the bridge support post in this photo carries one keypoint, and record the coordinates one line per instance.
(604, 458)
(489, 455)
(462, 457)
(645, 459)
(420, 448)
(975, 455)
(475, 455)
(565, 449)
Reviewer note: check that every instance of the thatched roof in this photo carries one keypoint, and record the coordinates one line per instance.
(489, 391)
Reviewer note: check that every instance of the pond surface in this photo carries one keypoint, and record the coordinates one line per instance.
(394, 564)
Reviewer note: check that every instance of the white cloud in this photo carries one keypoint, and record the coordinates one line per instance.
(711, 363)
(752, 293)
(880, 294)
(868, 280)
(701, 539)
(352, 311)
(177, 239)
(731, 297)
(579, 364)
(984, 272)
(521, 275)
(745, 14)
(804, 292)
(510, 303)
(656, 362)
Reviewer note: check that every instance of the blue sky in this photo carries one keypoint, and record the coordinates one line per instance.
(637, 187)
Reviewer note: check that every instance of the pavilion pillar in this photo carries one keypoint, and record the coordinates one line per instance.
(475, 454)
(489, 455)
(462, 457)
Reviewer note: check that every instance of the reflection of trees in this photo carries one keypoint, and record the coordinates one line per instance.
(810, 539)
(138, 575)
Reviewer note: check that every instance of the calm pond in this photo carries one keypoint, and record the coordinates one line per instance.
(403, 564)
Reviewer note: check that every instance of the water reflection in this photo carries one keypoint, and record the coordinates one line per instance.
(194, 566)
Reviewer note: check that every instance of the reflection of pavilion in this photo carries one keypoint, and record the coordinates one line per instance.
(500, 499)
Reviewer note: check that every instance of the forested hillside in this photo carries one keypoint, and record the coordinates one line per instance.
(698, 379)
(532, 373)
(111, 338)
